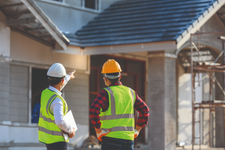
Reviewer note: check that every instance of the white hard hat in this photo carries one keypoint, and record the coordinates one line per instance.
(57, 70)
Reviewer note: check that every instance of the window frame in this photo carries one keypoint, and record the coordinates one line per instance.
(97, 5)
(30, 66)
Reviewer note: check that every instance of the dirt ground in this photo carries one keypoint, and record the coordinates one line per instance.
(196, 147)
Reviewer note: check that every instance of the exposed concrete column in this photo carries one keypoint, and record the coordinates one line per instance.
(162, 101)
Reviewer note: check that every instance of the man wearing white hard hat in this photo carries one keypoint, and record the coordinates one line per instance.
(53, 108)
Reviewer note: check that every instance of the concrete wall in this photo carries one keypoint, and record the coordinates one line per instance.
(68, 19)
(4, 40)
(18, 95)
(14, 121)
(4, 37)
(71, 16)
(4, 90)
(162, 102)
(14, 124)
(184, 107)
(170, 103)
(24, 49)
(214, 24)
(15, 100)
(77, 97)
(219, 125)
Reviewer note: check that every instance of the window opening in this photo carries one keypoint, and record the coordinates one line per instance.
(39, 83)
(57, 0)
(92, 4)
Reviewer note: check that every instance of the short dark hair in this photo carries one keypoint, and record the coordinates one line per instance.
(54, 80)
(113, 74)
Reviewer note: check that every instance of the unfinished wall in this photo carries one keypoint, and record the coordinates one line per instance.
(77, 97)
(14, 78)
(184, 107)
(215, 24)
(18, 98)
(219, 125)
(4, 90)
(4, 68)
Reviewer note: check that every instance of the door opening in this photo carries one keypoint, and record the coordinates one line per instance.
(133, 75)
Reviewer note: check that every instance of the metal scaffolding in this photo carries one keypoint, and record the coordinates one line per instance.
(198, 64)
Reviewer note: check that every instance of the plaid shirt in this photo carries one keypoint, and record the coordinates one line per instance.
(102, 101)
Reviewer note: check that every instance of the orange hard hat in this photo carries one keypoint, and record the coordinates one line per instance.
(111, 66)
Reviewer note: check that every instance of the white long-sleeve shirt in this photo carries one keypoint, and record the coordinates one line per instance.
(57, 109)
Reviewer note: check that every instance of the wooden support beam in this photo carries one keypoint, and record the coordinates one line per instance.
(10, 5)
(15, 15)
(21, 21)
(47, 43)
(35, 29)
(208, 70)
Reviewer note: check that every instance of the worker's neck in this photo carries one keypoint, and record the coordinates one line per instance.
(58, 87)
(108, 83)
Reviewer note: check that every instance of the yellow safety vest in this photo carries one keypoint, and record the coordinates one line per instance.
(48, 131)
(119, 117)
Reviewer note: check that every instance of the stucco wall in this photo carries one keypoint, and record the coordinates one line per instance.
(184, 107)
(24, 49)
(66, 18)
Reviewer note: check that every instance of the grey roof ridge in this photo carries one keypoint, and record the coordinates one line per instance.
(50, 23)
(197, 21)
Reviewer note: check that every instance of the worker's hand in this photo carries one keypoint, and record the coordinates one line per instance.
(137, 131)
(72, 134)
(100, 133)
(71, 74)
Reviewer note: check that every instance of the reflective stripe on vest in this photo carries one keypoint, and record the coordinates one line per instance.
(46, 119)
(113, 113)
(49, 131)
(119, 129)
(50, 99)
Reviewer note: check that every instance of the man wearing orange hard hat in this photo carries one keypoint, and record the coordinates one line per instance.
(112, 112)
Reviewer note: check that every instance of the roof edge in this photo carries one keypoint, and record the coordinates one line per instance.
(47, 23)
(153, 46)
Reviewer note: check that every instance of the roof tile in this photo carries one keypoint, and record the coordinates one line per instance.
(140, 21)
